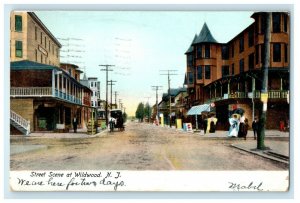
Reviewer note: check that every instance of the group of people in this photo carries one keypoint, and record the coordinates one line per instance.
(239, 126)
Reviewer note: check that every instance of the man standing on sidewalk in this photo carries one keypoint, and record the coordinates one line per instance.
(75, 124)
(255, 127)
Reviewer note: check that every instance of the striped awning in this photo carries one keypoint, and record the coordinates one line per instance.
(197, 110)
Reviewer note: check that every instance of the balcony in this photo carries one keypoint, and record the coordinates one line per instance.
(43, 92)
(30, 91)
(272, 94)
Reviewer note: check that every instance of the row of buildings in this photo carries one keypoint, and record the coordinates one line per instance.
(45, 94)
(227, 76)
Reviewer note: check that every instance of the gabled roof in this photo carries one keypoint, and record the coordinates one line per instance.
(173, 92)
(205, 36)
(84, 81)
(191, 48)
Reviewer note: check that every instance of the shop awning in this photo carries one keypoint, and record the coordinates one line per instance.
(197, 110)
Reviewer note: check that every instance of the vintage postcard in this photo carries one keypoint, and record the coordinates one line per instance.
(150, 100)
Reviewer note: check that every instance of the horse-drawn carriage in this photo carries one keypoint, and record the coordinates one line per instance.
(116, 120)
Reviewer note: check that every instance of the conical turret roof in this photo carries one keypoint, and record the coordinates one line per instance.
(191, 48)
(205, 36)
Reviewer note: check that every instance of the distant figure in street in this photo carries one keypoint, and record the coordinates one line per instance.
(75, 124)
(255, 127)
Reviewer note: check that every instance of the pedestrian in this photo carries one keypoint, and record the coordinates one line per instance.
(75, 124)
(234, 126)
(246, 126)
(255, 127)
(205, 125)
(281, 125)
(241, 127)
(112, 123)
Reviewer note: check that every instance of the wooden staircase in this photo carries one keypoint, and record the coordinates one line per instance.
(19, 123)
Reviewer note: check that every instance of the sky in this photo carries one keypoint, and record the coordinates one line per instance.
(139, 43)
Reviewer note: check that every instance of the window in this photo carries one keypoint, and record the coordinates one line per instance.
(199, 51)
(207, 51)
(277, 52)
(251, 37)
(92, 84)
(19, 49)
(225, 71)
(232, 50)
(57, 52)
(35, 33)
(49, 46)
(41, 38)
(251, 61)
(199, 73)
(242, 44)
(36, 55)
(276, 22)
(190, 60)
(262, 23)
(207, 72)
(190, 78)
(45, 42)
(256, 54)
(41, 58)
(285, 23)
(232, 69)
(225, 52)
(241, 65)
(285, 53)
(18, 23)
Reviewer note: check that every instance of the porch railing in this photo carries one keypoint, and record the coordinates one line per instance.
(30, 91)
(42, 92)
(272, 94)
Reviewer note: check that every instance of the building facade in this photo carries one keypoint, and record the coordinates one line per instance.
(31, 40)
(94, 85)
(44, 94)
(229, 75)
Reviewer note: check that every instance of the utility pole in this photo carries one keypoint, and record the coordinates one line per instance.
(156, 88)
(111, 83)
(116, 93)
(120, 103)
(264, 90)
(106, 110)
(169, 72)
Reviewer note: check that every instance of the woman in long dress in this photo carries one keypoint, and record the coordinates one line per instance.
(234, 126)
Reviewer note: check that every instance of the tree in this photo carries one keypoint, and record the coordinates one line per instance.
(147, 111)
(139, 113)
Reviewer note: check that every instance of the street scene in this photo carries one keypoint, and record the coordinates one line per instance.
(141, 91)
(147, 147)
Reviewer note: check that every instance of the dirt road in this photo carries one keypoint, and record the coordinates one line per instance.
(139, 147)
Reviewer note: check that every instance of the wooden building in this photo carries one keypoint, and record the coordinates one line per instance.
(44, 94)
(229, 75)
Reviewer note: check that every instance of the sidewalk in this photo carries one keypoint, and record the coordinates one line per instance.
(276, 142)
